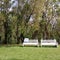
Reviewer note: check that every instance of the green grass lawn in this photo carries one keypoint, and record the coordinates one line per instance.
(29, 53)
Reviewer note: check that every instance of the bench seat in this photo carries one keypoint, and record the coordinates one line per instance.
(30, 44)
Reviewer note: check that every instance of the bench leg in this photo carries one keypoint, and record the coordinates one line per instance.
(23, 45)
(41, 45)
(57, 45)
(37, 45)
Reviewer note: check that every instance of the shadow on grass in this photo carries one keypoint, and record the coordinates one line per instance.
(48, 46)
(14, 59)
(20, 45)
(10, 45)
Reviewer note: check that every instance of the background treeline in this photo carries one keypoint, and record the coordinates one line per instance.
(34, 19)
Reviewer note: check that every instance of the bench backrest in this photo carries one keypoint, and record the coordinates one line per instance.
(48, 41)
(26, 40)
(33, 41)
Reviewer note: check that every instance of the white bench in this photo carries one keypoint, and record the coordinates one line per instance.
(49, 42)
(30, 42)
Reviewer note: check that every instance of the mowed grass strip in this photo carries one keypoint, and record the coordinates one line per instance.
(29, 53)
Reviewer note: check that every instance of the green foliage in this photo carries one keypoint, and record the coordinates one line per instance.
(16, 22)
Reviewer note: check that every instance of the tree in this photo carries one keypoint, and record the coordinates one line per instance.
(5, 11)
(30, 18)
(49, 18)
